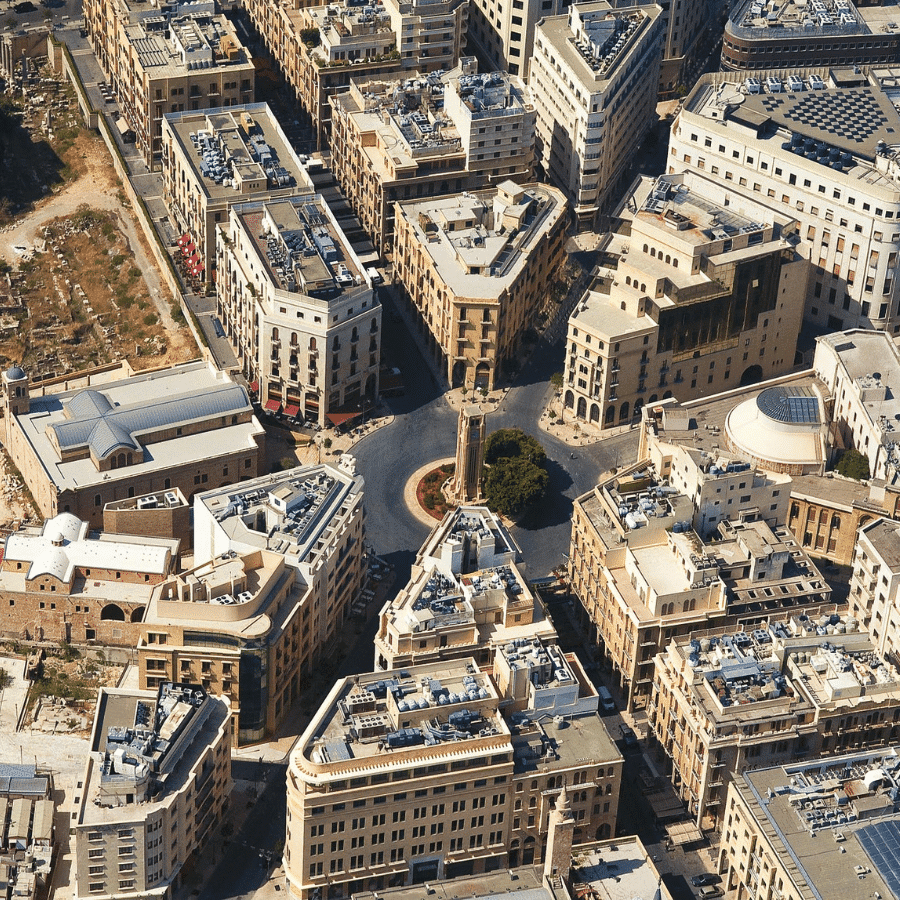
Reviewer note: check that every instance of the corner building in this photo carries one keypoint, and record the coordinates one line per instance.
(444, 770)
(821, 147)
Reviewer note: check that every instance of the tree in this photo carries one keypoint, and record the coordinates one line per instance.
(513, 442)
(853, 464)
(513, 483)
(556, 379)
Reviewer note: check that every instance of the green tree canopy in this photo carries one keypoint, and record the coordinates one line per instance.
(513, 483)
(853, 464)
(509, 443)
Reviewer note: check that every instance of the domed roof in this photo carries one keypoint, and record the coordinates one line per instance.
(15, 373)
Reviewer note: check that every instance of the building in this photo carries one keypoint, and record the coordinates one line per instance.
(215, 158)
(686, 24)
(838, 33)
(27, 842)
(439, 771)
(83, 448)
(61, 584)
(814, 828)
(699, 299)
(718, 486)
(874, 584)
(475, 268)
(156, 783)
(278, 563)
(299, 309)
(607, 870)
(466, 596)
(167, 58)
(321, 49)
(276, 569)
(861, 372)
(406, 137)
(643, 576)
(503, 35)
(251, 606)
(594, 77)
(826, 513)
(796, 146)
(726, 702)
(165, 514)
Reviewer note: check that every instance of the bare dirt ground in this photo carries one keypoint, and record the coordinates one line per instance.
(97, 187)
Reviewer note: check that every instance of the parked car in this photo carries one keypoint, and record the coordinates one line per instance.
(710, 891)
(629, 738)
(607, 704)
(705, 878)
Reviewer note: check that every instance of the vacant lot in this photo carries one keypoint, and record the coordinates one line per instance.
(78, 299)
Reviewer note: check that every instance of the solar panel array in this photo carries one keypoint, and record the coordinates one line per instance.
(881, 841)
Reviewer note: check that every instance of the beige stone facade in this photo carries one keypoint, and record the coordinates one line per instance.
(215, 158)
(724, 702)
(410, 135)
(167, 58)
(703, 296)
(61, 584)
(145, 812)
(476, 269)
(643, 576)
(594, 74)
(874, 584)
(278, 564)
(466, 596)
(82, 448)
(300, 310)
(811, 829)
(428, 774)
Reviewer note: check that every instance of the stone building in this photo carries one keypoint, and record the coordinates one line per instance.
(155, 787)
(62, 584)
(441, 770)
(82, 448)
(476, 268)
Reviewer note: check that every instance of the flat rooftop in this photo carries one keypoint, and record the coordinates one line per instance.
(144, 746)
(803, 19)
(187, 393)
(479, 242)
(596, 41)
(835, 819)
(237, 151)
(885, 537)
(302, 247)
(285, 512)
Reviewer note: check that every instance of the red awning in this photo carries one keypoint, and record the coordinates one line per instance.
(254, 386)
(197, 269)
(184, 239)
(291, 411)
(188, 249)
(272, 406)
(338, 418)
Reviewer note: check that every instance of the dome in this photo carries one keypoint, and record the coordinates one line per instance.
(15, 373)
(779, 429)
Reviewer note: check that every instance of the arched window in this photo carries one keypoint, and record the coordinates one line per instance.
(610, 415)
(624, 410)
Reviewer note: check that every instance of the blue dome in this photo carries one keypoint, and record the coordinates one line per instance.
(15, 373)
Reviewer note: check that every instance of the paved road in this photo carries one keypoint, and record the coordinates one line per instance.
(424, 429)
(242, 871)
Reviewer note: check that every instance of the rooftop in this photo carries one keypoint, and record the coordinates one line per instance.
(833, 821)
(754, 19)
(302, 247)
(287, 512)
(119, 415)
(144, 745)
(481, 241)
(171, 39)
(884, 535)
(63, 547)
(237, 151)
